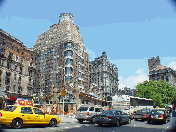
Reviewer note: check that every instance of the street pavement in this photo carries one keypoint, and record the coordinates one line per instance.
(172, 126)
(67, 119)
(70, 124)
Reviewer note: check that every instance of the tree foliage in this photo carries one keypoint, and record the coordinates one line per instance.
(160, 91)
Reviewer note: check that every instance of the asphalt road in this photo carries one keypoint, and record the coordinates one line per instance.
(135, 126)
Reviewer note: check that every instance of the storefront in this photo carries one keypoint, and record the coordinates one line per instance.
(14, 98)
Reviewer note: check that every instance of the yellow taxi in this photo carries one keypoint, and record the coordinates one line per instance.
(17, 115)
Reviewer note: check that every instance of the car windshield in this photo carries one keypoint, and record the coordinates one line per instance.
(138, 111)
(10, 108)
(83, 109)
(37, 111)
(157, 112)
(109, 112)
(145, 111)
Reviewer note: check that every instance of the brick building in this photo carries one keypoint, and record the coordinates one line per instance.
(16, 67)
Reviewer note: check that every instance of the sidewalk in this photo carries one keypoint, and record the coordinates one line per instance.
(67, 119)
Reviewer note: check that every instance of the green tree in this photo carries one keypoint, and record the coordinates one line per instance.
(160, 91)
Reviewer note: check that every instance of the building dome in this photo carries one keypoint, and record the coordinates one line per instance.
(66, 17)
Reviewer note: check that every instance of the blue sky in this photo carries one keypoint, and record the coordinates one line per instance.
(129, 31)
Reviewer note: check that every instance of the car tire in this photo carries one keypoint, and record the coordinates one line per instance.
(165, 122)
(117, 123)
(92, 121)
(100, 124)
(129, 121)
(2, 126)
(135, 119)
(148, 122)
(53, 123)
(17, 123)
(80, 121)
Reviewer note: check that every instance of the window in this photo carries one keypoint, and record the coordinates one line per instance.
(26, 110)
(37, 111)
(14, 77)
(10, 108)
(97, 110)
(1, 62)
(157, 112)
(91, 109)
(13, 88)
(117, 112)
(167, 78)
(15, 67)
(83, 109)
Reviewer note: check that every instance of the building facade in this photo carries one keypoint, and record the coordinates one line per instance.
(153, 62)
(127, 91)
(62, 58)
(16, 67)
(160, 72)
(104, 75)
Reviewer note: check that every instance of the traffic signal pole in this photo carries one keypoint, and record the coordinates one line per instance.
(63, 93)
(63, 105)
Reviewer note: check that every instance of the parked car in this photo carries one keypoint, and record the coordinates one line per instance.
(18, 115)
(88, 113)
(112, 117)
(142, 114)
(135, 114)
(158, 115)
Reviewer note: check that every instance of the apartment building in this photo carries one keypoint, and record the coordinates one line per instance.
(16, 68)
(160, 72)
(104, 75)
(127, 91)
(62, 58)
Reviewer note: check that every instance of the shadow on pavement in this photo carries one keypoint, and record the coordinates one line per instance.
(28, 126)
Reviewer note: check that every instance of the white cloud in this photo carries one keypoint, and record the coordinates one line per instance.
(173, 65)
(132, 81)
(91, 53)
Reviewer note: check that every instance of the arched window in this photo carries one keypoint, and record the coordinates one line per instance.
(2, 41)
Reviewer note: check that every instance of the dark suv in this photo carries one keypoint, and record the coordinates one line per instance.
(88, 113)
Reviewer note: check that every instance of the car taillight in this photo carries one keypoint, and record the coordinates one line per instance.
(147, 115)
(132, 115)
(96, 116)
(144, 115)
(87, 113)
(110, 117)
(162, 116)
(0, 114)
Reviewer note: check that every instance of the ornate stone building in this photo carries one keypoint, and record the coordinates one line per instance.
(104, 75)
(62, 59)
(160, 72)
(16, 67)
(127, 91)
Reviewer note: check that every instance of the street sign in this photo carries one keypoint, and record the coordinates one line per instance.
(63, 93)
(63, 88)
